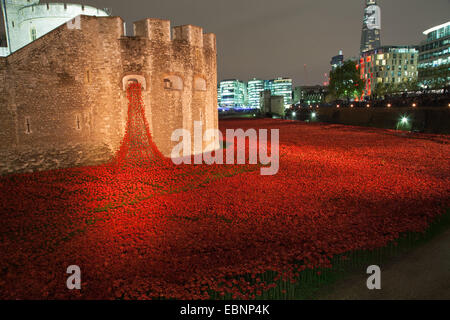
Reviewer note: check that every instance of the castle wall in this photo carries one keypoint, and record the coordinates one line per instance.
(60, 99)
(63, 103)
(184, 61)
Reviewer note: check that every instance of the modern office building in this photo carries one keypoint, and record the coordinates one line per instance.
(371, 30)
(254, 89)
(434, 56)
(281, 87)
(388, 64)
(309, 95)
(337, 61)
(233, 94)
(28, 20)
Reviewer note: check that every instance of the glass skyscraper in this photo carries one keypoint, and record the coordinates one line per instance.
(337, 61)
(254, 88)
(281, 87)
(371, 31)
(434, 58)
(235, 94)
(232, 94)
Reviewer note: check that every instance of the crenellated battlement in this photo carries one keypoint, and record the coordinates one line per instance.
(209, 41)
(160, 30)
(153, 29)
(192, 35)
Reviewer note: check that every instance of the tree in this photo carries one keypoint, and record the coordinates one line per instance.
(346, 82)
(381, 90)
(412, 85)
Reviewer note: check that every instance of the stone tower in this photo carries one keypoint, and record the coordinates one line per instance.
(28, 20)
(371, 30)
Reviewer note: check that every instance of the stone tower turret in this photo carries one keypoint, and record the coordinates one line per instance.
(27, 20)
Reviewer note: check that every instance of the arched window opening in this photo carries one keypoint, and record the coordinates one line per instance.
(127, 80)
(173, 83)
(199, 84)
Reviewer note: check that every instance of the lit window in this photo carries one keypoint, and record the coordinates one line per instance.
(33, 34)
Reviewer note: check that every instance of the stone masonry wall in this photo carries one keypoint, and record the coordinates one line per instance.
(63, 103)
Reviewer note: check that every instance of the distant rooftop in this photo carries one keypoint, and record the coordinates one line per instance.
(398, 49)
(426, 32)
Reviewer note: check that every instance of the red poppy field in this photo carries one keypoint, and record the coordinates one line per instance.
(166, 231)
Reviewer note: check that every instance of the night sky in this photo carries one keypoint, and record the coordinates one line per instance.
(267, 39)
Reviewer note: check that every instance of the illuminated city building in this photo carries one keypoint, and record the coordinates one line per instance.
(281, 87)
(309, 95)
(371, 30)
(254, 89)
(233, 94)
(337, 61)
(434, 55)
(389, 65)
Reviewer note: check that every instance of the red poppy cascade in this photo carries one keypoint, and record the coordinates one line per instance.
(137, 148)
